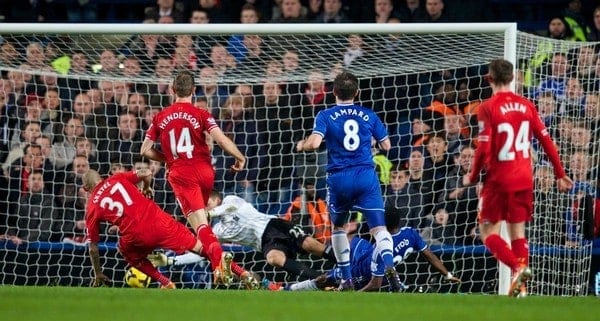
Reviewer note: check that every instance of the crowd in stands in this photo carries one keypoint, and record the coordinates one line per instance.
(64, 111)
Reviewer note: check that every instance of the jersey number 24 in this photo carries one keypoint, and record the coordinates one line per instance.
(514, 144)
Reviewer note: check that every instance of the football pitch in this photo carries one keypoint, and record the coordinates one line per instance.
(90, 304)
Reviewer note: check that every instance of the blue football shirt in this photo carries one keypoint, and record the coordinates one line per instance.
(347, 129)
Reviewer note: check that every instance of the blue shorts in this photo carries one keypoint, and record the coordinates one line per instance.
(355, 189)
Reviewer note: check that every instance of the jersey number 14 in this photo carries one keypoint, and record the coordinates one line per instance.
(182, 144)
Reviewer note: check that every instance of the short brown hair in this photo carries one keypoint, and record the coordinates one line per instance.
(501, 71)
(345, 86)
(183, 84)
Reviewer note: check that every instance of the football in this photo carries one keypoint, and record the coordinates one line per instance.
(136, 278)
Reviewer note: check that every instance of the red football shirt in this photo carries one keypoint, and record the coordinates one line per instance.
(179, 129)
(118, 201)
(506, 124)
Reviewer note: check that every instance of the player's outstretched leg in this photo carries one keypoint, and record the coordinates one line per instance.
(519, 280)
(222, 273)
(250, 280)
(394, 279)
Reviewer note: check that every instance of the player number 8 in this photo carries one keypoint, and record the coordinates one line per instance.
(351, 139)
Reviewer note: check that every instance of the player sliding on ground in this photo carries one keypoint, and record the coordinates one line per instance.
(506, 124)
(143, 226)
(240, 223)
(368, 269)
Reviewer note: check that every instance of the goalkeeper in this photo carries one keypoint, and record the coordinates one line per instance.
(240, 223)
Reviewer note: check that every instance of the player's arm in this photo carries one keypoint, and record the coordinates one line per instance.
(564, 182)
(147, 150)
(99, 277)
(227, 145)
(483, 148)
(438, 265)
(145, 176)
(385, 144)
(373, 285)
(309, 144)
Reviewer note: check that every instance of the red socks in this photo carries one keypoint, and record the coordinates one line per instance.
(236, 269)
(501, 251)
(152, 272)
(210, 246)
(520, 248)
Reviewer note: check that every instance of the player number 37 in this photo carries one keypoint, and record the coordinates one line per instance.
(513, 144)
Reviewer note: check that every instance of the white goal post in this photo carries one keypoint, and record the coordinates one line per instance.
(403, 69)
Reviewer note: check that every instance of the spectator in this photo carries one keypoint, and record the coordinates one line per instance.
(213, 8)
(411, 11)
(332, 13)
(63, 150)
(310, 212)
(237, 122)
(219, 60)
(420, 182)
(128, 139)
(383, 10)
(163, 194)
(354, 50)
(184, 56)
(72, 199)
(584, 67)
(594, 34)
(163, 71)
(402, 199)
(437, 161)
(35, 218)
(199, 16)
(51, 176)
(92, 116)
(109, 64)
(249, 14)
(275, 179)
(461, 201)
(18, 174)
(30, 132)
(166, 8)
(292, 11)
(556, 81)
(559, 29)
(576, 21)
(9, 54)
(209, 88)
(84, 146)
(435, 12)
(574, 98)
(453, 127)
(548, 207)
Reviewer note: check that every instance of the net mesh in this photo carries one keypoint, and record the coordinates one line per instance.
(91, 97)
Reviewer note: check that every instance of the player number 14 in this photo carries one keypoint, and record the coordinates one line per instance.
(182, 145)
(520, 142)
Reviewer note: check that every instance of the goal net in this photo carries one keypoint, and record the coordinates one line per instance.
(80, 96)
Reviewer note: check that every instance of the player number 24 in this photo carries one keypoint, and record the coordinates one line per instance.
(111, 205)
(182, 145)
(520, 142)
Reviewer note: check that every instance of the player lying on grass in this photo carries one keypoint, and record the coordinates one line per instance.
(279, 240)
(143, 226)
(368, 271)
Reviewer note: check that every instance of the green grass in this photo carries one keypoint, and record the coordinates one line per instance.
(89, 304)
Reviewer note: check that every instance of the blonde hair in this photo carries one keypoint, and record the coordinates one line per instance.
(90, 179)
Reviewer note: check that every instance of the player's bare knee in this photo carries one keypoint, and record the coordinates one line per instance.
(275, 258)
